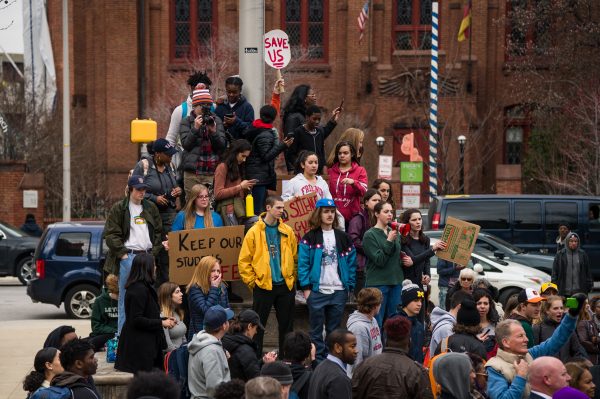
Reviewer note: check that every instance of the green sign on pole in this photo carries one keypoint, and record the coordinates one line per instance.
(411, 172)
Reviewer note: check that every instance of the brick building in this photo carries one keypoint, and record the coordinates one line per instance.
(387, 92)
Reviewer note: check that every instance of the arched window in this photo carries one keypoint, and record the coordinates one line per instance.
(192, 28)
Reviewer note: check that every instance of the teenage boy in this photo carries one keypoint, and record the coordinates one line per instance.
(412, 301)
(528, 309)
(78, 360)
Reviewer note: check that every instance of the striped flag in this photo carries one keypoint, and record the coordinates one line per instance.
(465, 25)
(362, 19)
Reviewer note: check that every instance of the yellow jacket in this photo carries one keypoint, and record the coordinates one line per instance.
(254, 265)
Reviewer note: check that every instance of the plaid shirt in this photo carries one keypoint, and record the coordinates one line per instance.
(207, 159)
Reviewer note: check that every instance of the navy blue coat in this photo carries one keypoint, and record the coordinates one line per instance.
(199, 304)
(244, 115)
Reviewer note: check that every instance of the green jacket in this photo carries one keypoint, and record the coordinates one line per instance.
(383, 259)
(104, 315)
(116, 232)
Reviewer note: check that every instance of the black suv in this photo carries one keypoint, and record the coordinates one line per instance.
(69, 260)
(16, 253)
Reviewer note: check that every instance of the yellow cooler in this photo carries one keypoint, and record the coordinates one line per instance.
(143, 130)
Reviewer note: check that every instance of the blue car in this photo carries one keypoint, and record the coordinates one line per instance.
(69, 260)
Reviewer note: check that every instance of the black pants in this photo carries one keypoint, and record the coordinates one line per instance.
(284, 301)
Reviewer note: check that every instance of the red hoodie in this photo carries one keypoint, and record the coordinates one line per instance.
(348, 197)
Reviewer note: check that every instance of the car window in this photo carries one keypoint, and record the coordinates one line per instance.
(504, 243)
(594, 216)
(487, 214)
(12, 231)
(73, 244)
(485, 247)
(487, 267)
(560, 212)
(434, 260)
(528, 215)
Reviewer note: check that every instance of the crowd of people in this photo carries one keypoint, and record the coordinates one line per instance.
(394, 343)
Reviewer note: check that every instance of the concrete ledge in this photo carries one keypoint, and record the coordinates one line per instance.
(111, 383)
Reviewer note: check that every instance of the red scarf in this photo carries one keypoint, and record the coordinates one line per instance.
(260, 124)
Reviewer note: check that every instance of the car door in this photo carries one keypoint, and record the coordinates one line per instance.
(4, 249)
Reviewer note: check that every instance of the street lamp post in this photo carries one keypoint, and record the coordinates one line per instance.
(462, 140)
(380, 141)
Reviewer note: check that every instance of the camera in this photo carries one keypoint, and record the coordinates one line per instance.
(171, 201)
(207, 118)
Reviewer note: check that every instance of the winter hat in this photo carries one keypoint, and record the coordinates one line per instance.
(411, 292)
(569, 393)
(396, 328)
(278, 370)
(201, 95)
(468, 314)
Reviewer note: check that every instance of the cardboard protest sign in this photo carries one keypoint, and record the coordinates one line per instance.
(277, 49)
(297, 213)
(187, 247)
(460, 237)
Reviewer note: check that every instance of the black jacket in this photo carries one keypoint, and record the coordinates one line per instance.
(290, 122)
(571, 349)
(298, 371)
(559, 271)
(191, 140)
(465, 343)
(329, 381)
(303, 140)
(142, 338)
(83, 388)
(420, 253)
(266, 147)
(243, 362)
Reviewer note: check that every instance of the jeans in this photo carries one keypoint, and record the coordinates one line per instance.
(391, 301)
(259, 193)
(442, 297)
(124, 269)
(325, 309)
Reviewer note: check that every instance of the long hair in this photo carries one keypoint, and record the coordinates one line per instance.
(547, 304)
(340, 144)
(355, 137)
(235, 171)
(296, 102)
(35, 379)
(376, 185)
(238, 327)
(406, 215)
(302, 157)
(201, 277)
(492, 314)
(190, 208)
(165, 300)
(142, 269)
(366, 198)
(315, 219)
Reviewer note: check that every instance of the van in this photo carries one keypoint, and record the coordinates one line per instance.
(527, 221)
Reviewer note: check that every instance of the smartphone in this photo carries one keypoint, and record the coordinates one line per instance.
(230, 115)
(572, 303)
(341, 104)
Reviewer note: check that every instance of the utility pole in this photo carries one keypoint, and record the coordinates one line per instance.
(66, 115)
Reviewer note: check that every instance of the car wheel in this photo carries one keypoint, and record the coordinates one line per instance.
(506, 294)
(26, 270)
(79, 301)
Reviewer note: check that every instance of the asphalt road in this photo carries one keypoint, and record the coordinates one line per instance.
(16, 305)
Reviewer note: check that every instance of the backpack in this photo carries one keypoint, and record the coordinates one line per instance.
(299, 384)
(435, 387)
(52, 393)
(176, 365)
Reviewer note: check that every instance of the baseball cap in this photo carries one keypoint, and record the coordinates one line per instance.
(216, 316)
(162, 145)
(548, 285)
(325, 202)
(250, 316)
(137, 181)
(530, 295)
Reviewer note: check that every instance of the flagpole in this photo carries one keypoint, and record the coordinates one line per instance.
(433, 109)
(369, 38)
(66, 115)
(469, 62)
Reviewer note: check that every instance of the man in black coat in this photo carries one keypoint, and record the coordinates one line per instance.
(571, 269)
(77, 358)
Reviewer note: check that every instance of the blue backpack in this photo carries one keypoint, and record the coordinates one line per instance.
(52, 393)
(176, 365)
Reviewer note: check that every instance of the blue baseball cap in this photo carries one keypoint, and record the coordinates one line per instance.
(216, 316)
(325, 203)
(137, 181)
(162, 145)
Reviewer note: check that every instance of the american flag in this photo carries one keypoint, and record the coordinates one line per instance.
(362, 19)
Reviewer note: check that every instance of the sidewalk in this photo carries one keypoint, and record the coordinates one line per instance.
(19, 342)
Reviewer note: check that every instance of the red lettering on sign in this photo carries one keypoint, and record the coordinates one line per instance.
(235, 272)
(267, 44)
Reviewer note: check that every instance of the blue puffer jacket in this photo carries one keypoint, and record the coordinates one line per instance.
(310, 253)
(199, 304)
(417, 336)
(244, 115)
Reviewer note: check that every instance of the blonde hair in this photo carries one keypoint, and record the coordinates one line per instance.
(466, 272)
(190, 208)
(165, 300)
(201, 277)
(353, 136)
(547, 304)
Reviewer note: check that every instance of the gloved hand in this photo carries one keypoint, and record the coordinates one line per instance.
(581, 298)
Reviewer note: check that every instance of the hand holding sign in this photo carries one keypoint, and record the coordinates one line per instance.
(277, 54)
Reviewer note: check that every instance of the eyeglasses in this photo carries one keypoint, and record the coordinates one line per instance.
(203, 196)
(466, 279)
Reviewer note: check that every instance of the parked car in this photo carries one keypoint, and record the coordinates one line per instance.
(508, 276)
(496, 248)
(69, 260)
(16, 253)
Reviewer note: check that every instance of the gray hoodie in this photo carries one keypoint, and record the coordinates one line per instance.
(207, 366)
(452, 372)
(442, 323)
(368, 337)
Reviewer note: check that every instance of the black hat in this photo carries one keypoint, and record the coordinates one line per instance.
(468, 314)
(411, 292)
(250, 316)
(162, 145)
(278, 370)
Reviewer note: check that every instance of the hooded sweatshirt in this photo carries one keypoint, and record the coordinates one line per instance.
(571, 269)
(451, 372)
(442, 323)
(299, 186)
(207, 366)
(368, 337)
(82, 388)
(347, 197)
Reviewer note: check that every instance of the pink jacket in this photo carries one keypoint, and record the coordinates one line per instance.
(348, 197)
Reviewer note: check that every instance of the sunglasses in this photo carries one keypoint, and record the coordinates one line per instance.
(466, 279)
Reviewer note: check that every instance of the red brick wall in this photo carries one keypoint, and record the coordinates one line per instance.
(14, 181)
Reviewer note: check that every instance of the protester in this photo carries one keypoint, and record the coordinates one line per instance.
(306, 180)
(326, 272)
(595, 309)
(348, 180)
(154, 384)
(142, 339)
(105, 314)
(507, 371)
(266, 147)
(207, 366)
(412, 302)
(354, 136)
(133, 227)
(466, 331)
(235, 112)
(330, 378)
(77, 359)
(547, 289)
(581, 378)
(455, 375)
(480, 383)
(363, 325)
(442, 322)
(384, 188)
(382, 249)
(282, 373)
(60, 336)
(571, 269)
(448, 273)
(482, 282)
(552, 313)
(297, 352)
(528, 309)
(294, 115)
(489, 318)
(391, 374)
(358, 226)
(243, 362)
(30, 226)
(311, 136)
(267, 265)
(170, 299)
(231, 185)
(233, 389)
(465, 284)
(263, 388)
(203, 139)
(511, 304)
(197, 213)
(46, 366)
(546, 376)
(587, 335)
(204, 291)
(563, 230)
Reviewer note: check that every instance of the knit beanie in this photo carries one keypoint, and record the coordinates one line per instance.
(278, 370)
(201, 95)
(468, 314)
(410, 292)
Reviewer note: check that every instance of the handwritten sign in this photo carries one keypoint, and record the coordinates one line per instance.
(297, 213)
(187, 247)
(460, 237)
(277, 49)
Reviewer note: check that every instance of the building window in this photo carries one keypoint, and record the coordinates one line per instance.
(516, 133)
(527, 30)
(412, 25)
(305, 22)
(193, 28)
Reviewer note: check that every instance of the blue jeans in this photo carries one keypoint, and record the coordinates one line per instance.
(124, 269)
(325, 309)
(259, 193)
(442, 297)
(390, 302)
